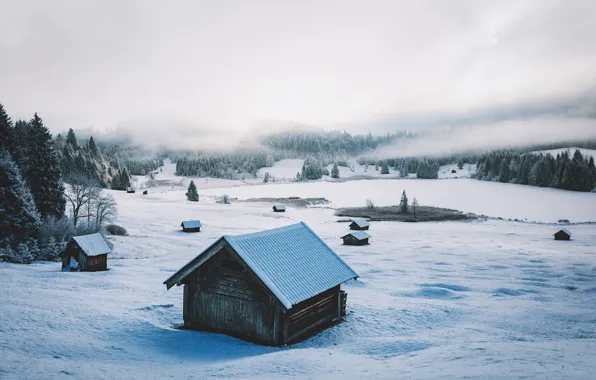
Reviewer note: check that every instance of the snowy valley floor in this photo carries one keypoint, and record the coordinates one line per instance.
(484, 299)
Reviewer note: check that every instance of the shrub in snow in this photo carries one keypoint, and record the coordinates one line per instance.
(370, 205)
(225, 199)
(266, 177)
(114, 229)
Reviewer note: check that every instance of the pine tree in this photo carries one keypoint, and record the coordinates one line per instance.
(385, 168)
(504, 174)
(71, 139)
(5, 129)
(592, 170)
(335, 171)
(18, 216)
(92, 147)
(403, 204)
(192, 194)
(19, 141)
(460, 164)
(42, 171)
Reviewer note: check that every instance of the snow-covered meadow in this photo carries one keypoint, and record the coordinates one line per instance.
(483, 299)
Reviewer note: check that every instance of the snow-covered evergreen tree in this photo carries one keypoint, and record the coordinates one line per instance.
(42, 172)
(192, 194)
(5, 129)
(335, 171)
(93, 147)
(18, 217)
(385, 168)
(71, 139)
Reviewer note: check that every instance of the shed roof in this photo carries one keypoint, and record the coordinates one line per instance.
(191, 224)
(92, 245)
(564, 230)
(361, 222)
(359, 235)
(292, 261)
(279, 206)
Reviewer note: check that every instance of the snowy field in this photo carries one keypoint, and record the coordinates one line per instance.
(554, 152)
(478, 300)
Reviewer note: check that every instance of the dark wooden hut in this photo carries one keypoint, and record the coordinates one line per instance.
(274, 287)
(279, 208)
(356, 238)
(359, 225)
(191, 226)
(86, 253)
(145, 192)
(130, 190)
(563, 234)
(453, 171)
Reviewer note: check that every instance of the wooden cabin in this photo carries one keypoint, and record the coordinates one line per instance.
(359, 225)
(563, 234)
(274, 287)
(86, 253)
(130, 190)
(145, 192)
(279, 208)
(191, 226)
(356, 238)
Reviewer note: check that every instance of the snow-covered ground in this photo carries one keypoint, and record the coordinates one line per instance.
(554, 152)
(481, 300)
(481, 197)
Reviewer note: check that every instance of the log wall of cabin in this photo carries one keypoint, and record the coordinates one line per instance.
(221, 296)
(309, 316)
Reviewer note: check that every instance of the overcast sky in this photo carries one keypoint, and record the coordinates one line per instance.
(231, 64)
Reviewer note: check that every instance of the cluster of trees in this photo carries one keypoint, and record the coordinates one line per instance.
(312, 169)
(231, 166)
(424, 167)
(329, 144)
(575, 173)
(32, 192)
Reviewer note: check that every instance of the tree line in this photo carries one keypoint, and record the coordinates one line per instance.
(34, 192)
(576, 172)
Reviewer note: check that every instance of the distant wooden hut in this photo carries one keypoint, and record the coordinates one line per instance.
(145, 192)
(279, 208)
(86, 253)
(274, 287)
(453, 171)
(359, 225)
(356, 238)
(130, 190)
(563, 234)
(191, 226)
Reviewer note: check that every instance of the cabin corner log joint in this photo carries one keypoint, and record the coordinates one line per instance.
(274, 287)
(85, 253)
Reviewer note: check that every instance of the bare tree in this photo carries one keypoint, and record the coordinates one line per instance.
(414, 205)
(105, 209)
(80, 191)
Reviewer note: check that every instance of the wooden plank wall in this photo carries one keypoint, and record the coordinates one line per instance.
(306, 317)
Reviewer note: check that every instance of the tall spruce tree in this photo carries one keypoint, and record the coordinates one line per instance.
(335, 171)
(42, 171)
(403, 203)
(92, 147)
(5, 129)
(385, 168)
(504, 173)
(192, 194)
(71, 139)
(18, 217)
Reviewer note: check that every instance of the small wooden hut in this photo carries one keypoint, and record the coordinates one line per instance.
(279, 208)
(274, 287)
(85, 253)
(563, 234)
(356, 238)
(145, 192)
(130, 190)
(191, 226)
(359, 225)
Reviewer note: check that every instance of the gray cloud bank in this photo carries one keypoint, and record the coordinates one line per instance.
(218, 68)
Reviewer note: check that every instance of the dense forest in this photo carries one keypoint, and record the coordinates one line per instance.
(574, 172)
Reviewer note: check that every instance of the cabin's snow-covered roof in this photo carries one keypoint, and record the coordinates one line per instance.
(279, 206)
(565, 230)
(292, 262)
(93, 244)
(191, 224)
(360, 235)
(361, 222)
